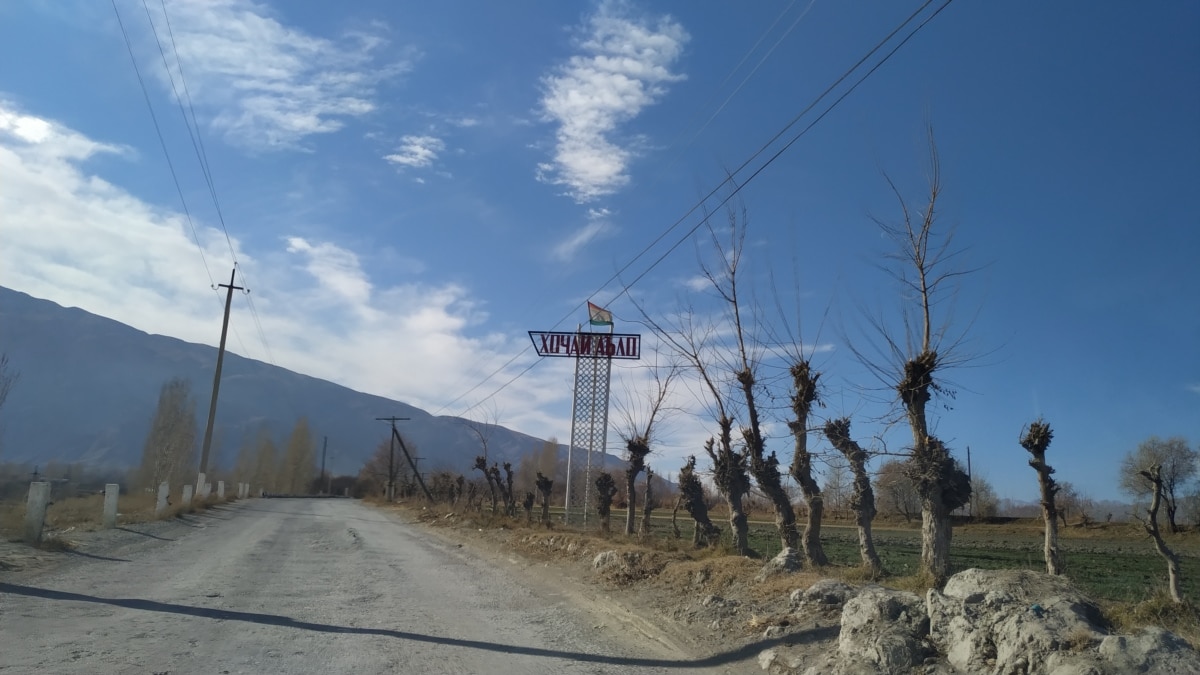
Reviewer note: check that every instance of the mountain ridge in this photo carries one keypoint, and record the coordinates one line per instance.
(89, 385)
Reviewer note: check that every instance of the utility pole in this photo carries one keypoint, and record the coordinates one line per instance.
(324, 447)
(391, 475)
(212, 406)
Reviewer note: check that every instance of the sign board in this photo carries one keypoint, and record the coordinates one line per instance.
(587, 345)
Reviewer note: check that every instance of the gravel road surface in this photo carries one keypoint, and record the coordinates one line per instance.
(318, 586)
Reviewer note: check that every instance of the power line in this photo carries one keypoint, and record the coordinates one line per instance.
(162, 142)
(730, 179)
(197, 139)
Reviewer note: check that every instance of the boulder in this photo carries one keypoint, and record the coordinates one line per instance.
(883, 631)
(1019, 622)
(787, 561)
(825, 594)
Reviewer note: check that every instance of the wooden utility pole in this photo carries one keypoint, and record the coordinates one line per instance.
(212, 406)
(391, 477)
(324, 447)
(396, 435)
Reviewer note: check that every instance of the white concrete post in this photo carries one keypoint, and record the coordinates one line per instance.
(241, 490)
(35, 510)
(187, 495)
(220, 489)
(207, 490)
(346, 492)
(164, 491)
(199, 491)
(111, 492)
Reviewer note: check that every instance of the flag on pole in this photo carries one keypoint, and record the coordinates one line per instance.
(598, 316)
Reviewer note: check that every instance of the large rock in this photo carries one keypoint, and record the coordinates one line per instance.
(824, 594)
(883, 631)
(1018, 622)
(787, 561)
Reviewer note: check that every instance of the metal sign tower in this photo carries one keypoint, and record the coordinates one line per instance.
(593, 354)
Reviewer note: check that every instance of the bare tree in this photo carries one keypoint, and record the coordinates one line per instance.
(299, 464)
(606, 490)
(1036, 439)
(637, 426)
(1177, 464)
(481, 464)
(863, 499)
(1154, 476)
(691, 494)
(510, 500)
(527, 504)
(804, 396)
(170, 446)
(544, 486)
(896, 491)
(924, 265)
(384, 468)
(691, 342)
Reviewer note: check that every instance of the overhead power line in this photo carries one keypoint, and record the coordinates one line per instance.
(732, 179)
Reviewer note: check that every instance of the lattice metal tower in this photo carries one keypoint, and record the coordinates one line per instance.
(589, 432)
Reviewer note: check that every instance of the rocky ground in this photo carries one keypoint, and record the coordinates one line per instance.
(1007, 622)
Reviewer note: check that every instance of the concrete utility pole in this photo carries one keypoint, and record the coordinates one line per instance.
(212, 406)
(391, 475)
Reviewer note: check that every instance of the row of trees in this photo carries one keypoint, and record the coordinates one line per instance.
(170, 452)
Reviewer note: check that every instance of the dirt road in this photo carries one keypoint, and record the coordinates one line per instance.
(318, 586)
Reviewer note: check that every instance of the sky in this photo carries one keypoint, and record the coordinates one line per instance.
(408, 188)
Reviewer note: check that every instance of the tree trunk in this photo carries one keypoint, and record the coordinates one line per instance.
(804, 383)
(739, 524)
(1036, 440)
(863, 501)
(936, 532)
(1054, 561)
(814, 551)
(647, 507)
(1173, 582)
(631, 514)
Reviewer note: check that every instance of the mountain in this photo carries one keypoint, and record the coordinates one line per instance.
(89, 385)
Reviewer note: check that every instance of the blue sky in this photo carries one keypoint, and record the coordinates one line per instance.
(410, 187)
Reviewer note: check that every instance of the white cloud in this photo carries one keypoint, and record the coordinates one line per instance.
(267, 84)
(73, 238)
(1194, 388)
(624, 67)
(416, 151)
(598, 225)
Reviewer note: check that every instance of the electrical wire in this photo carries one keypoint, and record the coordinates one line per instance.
(730, 179)
(162, 142)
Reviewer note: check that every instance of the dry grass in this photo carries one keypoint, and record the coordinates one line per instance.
(1183, 619)
(85, 513)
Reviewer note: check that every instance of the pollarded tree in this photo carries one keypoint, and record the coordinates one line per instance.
(804, 396)
(544, 487)
(481, 464)
(691, 494)
(725, 279)
(692, 343)
(171, 443)
(637, 429)
(606, 490)
(1035, 439)
(924, 264)
(863, 499)
(1177, 464)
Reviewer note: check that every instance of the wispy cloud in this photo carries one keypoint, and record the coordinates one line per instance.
(624, 66)
(416, 151)
(598, 225)
(266, 84)
(1195, 388)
